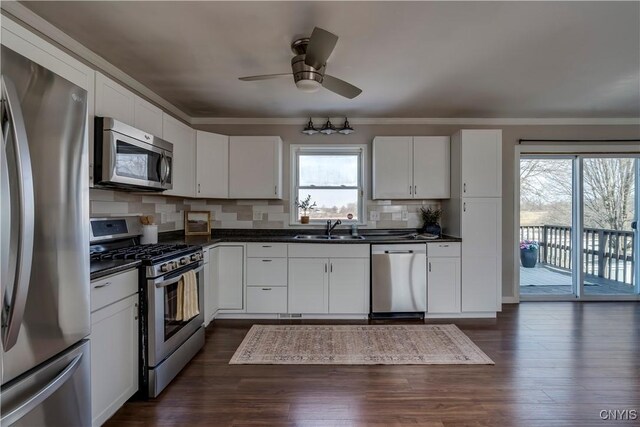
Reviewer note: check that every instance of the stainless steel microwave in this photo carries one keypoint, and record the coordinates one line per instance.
(130, 159)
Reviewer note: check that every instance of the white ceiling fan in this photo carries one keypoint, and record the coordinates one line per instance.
(310, 63)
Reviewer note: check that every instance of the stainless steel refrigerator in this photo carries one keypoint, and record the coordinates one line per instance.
(44, 253)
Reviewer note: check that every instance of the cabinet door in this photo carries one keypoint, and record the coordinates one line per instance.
(114, 357)
(481, 163)
(207, 285)
(481, 254)
(431, 167)
(214, 279)
(255, 167)
(212, 165)
(393, 167)
(230, 277)
(348, 286)
(183, 139)
(147, 117)
(266, 299)
(443, 285)
(113, 100)
(308, 285)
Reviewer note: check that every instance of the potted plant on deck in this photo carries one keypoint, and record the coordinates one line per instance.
(430, 220)
(529, 253)
(305, 206)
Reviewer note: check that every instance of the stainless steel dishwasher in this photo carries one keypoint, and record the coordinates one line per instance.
(399, 280)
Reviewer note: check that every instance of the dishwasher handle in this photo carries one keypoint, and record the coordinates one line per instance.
(398, 252)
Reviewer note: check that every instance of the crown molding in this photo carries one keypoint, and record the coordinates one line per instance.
(474, 121)
(25, 16)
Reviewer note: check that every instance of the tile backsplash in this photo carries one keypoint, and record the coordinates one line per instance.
(169, 211)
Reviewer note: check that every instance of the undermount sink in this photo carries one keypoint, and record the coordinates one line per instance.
(325, 237)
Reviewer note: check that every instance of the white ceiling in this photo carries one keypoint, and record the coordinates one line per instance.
(412, 59)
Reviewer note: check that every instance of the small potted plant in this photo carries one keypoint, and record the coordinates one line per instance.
(305, 206)
(529, 253)
(430, 220)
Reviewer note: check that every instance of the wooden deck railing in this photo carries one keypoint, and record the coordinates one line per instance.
(607, 253)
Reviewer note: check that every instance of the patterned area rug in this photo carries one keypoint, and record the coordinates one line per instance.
(358, 345)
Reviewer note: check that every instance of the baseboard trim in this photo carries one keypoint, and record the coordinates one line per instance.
(510, 300)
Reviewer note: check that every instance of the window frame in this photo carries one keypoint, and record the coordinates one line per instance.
(343, 149)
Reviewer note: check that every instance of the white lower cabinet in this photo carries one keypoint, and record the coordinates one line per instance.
(326, 285)
(308, 285)
(230, 277)
(348, 286)
(443, 278)
(266, 299)
(114, 349)
(209, 291)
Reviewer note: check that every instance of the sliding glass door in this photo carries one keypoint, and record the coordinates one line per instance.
(609, 216)
(585, 202)
(546, 227)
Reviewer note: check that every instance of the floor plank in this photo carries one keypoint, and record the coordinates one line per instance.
(556, 364)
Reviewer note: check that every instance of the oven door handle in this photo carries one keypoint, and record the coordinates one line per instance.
(169, 282)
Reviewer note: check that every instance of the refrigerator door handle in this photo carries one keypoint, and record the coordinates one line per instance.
(14, 310)
(37, 398)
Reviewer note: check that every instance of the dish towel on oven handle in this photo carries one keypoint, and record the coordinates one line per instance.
(187, 306)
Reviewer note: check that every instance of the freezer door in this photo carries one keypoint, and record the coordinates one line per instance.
(45, 234)
(57, 393)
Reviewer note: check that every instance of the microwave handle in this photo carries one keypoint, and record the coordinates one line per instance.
(167, 174)
(162, 168)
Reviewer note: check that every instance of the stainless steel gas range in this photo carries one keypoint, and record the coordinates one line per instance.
(166, 344)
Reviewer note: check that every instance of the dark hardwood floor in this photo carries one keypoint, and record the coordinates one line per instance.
(556, 364)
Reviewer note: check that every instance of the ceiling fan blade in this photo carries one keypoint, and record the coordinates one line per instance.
(264, 77)
(321, 44)
(340, 87)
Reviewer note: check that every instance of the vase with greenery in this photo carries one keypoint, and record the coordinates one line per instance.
(305, 206)
(529, 253)
(431, 221)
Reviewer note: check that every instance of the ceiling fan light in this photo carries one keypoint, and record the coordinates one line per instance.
(328, 128)
(308, 86)
(346, 128)
(310, 129)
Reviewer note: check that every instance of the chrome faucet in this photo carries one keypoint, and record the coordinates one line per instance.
(331, 227)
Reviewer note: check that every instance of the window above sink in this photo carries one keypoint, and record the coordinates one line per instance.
(334, 177)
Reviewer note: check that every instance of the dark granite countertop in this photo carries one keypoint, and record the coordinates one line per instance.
(288, 236)
(107, 267)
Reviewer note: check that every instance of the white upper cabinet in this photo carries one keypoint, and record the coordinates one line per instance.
(393, 167)
(255, 167)
(183, 139)
(411, 167)
(147, 117)
(431, 167)
(480, 162)
(113, 100)
(212, 165)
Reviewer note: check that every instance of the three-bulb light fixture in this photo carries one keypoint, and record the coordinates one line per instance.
(328, 128)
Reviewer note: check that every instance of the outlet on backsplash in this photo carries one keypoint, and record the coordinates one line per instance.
(374, 216)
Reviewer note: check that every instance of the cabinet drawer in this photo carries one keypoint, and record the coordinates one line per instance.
(267, 272)
(108, 290)
(267, 250)
(444, 249)
(266, 299)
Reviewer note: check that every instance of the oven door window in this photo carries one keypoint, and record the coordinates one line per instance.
(137, 163)
(171, 325)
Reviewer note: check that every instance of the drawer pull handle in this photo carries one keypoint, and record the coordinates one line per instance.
(444, 246)
(267, 260)
(266, 289)
(105, 284)
(266, 246)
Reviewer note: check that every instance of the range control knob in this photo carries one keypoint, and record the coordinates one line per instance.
(165, 267)
(184, 260)
(195, 257)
